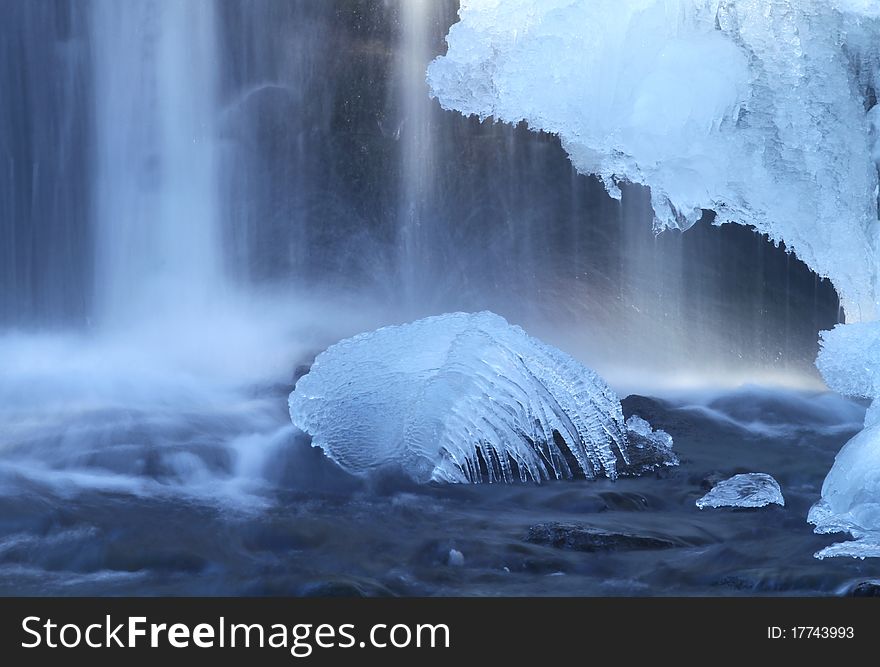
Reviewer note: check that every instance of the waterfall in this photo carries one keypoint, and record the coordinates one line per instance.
(155, 182)
(199, 194)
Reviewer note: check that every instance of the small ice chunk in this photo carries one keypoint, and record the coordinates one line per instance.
(754, 489)
(456, 558)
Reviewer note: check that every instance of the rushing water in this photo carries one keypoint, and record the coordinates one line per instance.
(196, 197)
(322, 533)
(155, 182)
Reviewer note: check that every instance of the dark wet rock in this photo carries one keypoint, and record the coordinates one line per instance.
(580, 537)
(866, 589)
(709, 480)
(654, 410)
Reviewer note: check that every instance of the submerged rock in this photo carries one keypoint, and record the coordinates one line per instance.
(753, 489)
(580, 537)
(866, 589)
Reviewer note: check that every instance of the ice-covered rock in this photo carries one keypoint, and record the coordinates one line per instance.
(649, 449)
(463, 398)
(753, 489)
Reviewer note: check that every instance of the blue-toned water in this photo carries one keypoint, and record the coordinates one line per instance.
(320, 532)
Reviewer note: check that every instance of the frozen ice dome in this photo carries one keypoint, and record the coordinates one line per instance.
(462, 398)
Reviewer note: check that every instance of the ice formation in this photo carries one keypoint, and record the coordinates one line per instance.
(648, 448)
(851, 494)
(753, 489)
(755, 109)
(764, 111)
(462, 398)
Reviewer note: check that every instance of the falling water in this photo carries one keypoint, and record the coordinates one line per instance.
(155, 181)
(418, 26)
(45, 154)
